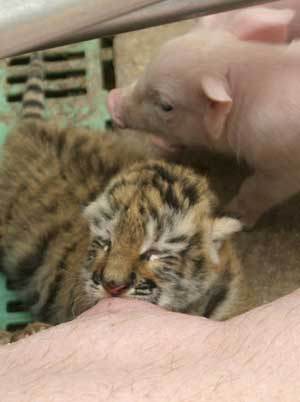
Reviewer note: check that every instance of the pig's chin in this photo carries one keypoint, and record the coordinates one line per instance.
(117, 120)
(165, 145)
(118, 123)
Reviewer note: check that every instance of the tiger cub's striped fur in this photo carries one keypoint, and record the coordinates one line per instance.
(80, 220)
(33, 102)
(85, 216)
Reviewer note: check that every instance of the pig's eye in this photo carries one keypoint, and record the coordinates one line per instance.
(166, 107)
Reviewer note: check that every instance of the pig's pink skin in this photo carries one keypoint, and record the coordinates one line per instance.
(226, 19)
(114, 102)
(261, 126)
(294, 29)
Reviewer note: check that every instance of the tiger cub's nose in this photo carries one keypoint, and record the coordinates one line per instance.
(115, 289)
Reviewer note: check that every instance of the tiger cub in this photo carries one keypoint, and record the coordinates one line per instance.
(87, 216)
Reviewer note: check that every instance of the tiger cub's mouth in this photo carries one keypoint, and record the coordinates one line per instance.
(145, 289)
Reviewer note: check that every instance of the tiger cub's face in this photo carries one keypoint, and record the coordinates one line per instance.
(154, 237)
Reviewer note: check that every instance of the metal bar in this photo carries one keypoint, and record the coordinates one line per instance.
(26, 25)
(30, 24)
(166, 12)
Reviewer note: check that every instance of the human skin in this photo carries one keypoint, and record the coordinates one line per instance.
(125, 350)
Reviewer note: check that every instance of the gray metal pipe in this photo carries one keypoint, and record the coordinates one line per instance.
(30, 24)
(26, 25)
(165, 12)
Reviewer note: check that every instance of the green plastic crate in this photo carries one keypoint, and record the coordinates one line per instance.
(77, 79)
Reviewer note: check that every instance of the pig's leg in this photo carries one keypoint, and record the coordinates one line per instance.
(259, 193)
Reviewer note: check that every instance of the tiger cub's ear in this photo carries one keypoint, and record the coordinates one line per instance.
(222, 229)
(91, 210)
(97, 214)
(91, 213)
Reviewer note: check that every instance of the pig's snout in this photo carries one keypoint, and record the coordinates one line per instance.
(114, 102)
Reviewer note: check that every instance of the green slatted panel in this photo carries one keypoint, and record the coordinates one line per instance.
(75, 95)
(8, 303)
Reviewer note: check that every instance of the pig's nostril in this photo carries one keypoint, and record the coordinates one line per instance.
(111, 102)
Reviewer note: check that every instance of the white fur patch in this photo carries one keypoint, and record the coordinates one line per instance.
(99, 224)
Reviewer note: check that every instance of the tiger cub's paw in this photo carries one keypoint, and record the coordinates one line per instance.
(5, 337)
(30, 329)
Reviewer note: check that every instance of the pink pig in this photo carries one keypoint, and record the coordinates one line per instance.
(237, 20)
(214, 88)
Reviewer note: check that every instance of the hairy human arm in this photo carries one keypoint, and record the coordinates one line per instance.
(132, 351)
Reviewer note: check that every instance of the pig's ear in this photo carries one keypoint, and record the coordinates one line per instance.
(262, 24)
(218, 104)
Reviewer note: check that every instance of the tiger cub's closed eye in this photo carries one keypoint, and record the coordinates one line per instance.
(150, 255)
(98, 242)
